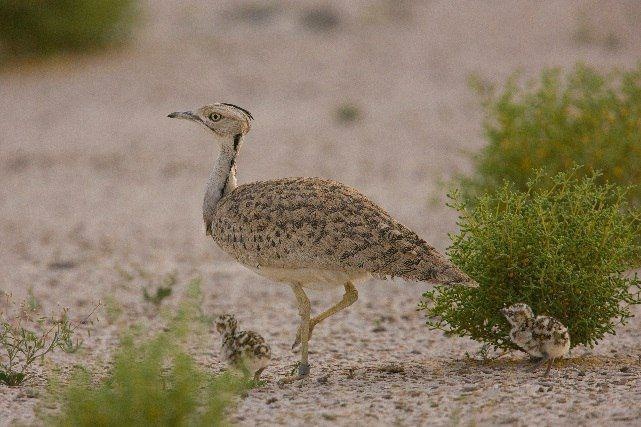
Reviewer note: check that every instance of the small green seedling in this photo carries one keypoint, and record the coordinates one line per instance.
(163, 291)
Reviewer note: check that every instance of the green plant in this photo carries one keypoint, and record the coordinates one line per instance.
(562, 246)
(70, 342)
(581, 117)
(162, 291)
(152, 382)
(26, 338)
(347, 113)
(43, 27)
(113, 309)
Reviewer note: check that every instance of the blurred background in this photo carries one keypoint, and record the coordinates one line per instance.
(371, 93)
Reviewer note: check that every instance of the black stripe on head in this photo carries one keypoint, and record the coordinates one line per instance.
(240, 108)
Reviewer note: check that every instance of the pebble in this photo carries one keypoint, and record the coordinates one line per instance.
(323, 380)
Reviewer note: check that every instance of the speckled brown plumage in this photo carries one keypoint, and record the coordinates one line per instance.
(244, 349)
(320, 223)
(307, 232)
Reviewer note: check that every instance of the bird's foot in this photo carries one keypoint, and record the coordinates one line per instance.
(303, 369)
(303, 372)
(298, 335)
(536, 364)
(256, 380)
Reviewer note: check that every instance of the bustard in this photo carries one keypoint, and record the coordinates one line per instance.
(307, 232)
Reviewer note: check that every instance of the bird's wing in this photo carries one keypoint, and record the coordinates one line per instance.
(318, 223)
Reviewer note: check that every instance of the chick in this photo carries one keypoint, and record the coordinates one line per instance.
(541, 336)
(245, 350)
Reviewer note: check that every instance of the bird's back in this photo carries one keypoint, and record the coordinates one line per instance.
(551, 332)
(317, 223)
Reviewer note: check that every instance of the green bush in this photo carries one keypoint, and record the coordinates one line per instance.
(582, 117)
(562, 246)
(43, 27)
(152, 382)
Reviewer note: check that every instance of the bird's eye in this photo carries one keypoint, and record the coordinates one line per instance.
(214, 117)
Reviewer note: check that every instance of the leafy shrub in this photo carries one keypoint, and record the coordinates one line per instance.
(42, 27)
(28, 336)
(561, 246)
(582, 117)
(152, 382)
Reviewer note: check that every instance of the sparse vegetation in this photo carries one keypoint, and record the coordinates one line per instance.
(40, 28)
(28, 336)
(347, 113)
(113, 309)
(162, 291)
(587, 34)
(582, 117)
(153, 382)
(562, 246)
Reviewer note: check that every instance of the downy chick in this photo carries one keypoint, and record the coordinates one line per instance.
(541, 336)
(245, 349)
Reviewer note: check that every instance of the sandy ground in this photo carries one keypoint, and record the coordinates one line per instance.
(101, 193)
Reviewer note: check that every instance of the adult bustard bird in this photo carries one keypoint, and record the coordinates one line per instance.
(307, 232)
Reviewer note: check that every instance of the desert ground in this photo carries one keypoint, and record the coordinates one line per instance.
(101, 193)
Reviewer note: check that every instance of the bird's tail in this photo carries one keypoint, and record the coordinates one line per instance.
(434, 267)
(450, 274)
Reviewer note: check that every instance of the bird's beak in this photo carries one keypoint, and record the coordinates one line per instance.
(183, 115)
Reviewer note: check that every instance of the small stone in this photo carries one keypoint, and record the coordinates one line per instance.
(62, 265)
(31, 393)
(625, 369)
(323, 380)
(271, 400)
(392, 369)
(379, 329)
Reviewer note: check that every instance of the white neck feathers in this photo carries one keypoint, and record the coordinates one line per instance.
(222, 179)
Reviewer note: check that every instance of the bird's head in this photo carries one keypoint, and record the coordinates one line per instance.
(517, 314)
(226, 323)
(224, 120)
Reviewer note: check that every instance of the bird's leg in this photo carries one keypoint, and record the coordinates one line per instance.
(538, 364)
(257, 374)
(349, 298)
(547, 371)
(304, 310)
